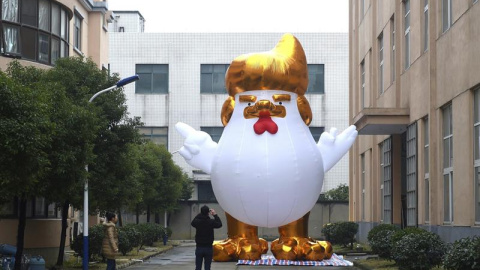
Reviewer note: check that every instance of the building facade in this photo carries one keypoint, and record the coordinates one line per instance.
(182, 79)
(37, 33)
(414, 97)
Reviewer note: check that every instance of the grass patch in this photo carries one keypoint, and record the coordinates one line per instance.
(76, 262)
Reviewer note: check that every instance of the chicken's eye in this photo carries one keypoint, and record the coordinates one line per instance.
(280, 103)
(249, 104)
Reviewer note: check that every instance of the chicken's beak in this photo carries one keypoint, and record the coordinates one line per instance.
(264, 105)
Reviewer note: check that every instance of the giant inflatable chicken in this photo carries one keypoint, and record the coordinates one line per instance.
(266, 169)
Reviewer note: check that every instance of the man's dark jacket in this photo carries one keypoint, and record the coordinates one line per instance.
(205, 225)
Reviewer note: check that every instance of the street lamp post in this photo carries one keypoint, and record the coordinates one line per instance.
(85, 197)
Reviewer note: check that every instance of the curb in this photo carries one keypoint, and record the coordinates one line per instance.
(132, 262)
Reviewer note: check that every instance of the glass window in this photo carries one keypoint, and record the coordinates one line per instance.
(63, 24)
(77, 32)
(212, 78)
(11, 35)
(316, 132)
(10, 10)
(29, 12)
(407, 33)
(43, 47)
(362, 82)
(426, 166)
(446, 14)
(52, 210)
(39, 207)
(44, 15)
(316, 79)
(205, 191)
(56, 19)
(476, 151)
(362, 164)
(153, 79)
(447, 164)
(214, 132)
(158, 135)
(392, 40)
(8, 209)
(29, 41)
(380, 63)
(425, 25)
(55, 50)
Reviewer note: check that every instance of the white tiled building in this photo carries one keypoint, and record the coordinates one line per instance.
(178, 69)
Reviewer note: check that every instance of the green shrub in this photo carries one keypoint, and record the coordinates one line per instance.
(463, 254)
(341, 233)
(406, 231)
(95, 239)
(422, 250)
(150, 233)
(169, 232)
(128, 238)
(379, 239)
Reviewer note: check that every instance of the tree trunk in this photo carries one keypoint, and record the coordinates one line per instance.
(138, 213)
(22, 219)
(120, 222)
(148, 213)
(157, 218)
(63, 234)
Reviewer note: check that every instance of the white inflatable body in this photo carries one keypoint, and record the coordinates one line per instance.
(266, 180)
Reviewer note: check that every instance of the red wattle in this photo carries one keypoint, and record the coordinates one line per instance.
(265, 123)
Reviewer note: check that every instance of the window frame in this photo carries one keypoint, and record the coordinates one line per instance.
(209, 74)
(447, 134)
(380, 64)
(153, 132)
(406, 12)
(77, 30)
(315, 70)
(362, 83)
(392, 56)
(162, 70)
(446, 15)
(476, 154)
(425, 25)
(426, 167)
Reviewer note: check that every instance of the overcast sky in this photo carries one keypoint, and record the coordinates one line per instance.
(239, 16)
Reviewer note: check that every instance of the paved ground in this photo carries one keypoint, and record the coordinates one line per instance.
(183, 257)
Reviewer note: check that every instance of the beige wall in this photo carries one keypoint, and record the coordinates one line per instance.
(446, 72)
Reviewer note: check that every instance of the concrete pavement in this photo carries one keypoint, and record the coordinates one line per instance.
(183, 257)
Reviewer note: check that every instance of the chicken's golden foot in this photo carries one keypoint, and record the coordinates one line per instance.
(239, 248)
(301, 249)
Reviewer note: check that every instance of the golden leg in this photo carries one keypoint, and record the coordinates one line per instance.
(294, 243)
(242, 243)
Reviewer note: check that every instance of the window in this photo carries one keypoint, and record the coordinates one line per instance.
(476, 151)
(316, 132)
(158, 135)
(153, 79)
(411, 174)
(77, 31)
(426, 166)
(36, 207)
(362, 83)
(214, 132)
(392, 41)
(362, 164)
(406, 6)
(121, 29)
(212, 78)
(380, 63)
(36, 30)
(387, 181)
(446, 14)
(381, 158)
(316, 79)
(425, 25)
(447, 164)
(205, 191)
